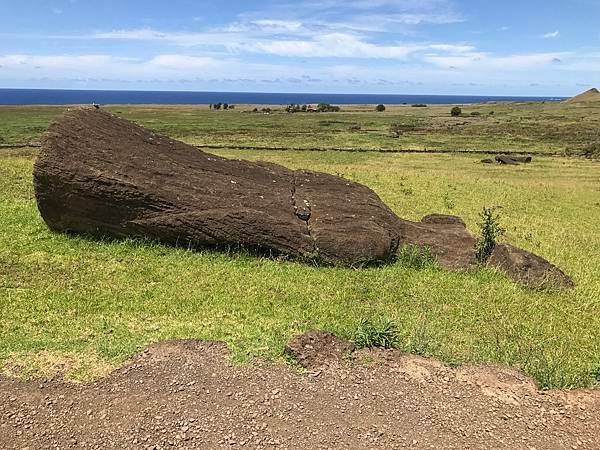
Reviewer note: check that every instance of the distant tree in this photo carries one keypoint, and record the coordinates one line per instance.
(210, 106)
(255, 110)
(456, 111)
(217, 106)
(225, 106)
(294, 108)
(380, 108)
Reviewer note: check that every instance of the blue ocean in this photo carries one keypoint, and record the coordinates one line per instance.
(71, 97)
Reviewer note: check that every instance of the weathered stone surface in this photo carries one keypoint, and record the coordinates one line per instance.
(505, 159)
(522, 159)
(512, 160)
(102, 175)
(527, 268)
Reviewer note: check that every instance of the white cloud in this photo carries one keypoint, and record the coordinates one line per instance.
(483, 61)
(316, 45)
(334, 45)
(552, 35)
(183, 62)
(105, 65)
(278, 26)
(66, 62)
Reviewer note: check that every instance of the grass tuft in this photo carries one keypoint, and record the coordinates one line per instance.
(372, 333)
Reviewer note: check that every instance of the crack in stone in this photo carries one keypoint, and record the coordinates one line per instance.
(303, 213)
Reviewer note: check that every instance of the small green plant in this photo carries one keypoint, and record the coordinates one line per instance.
(490, 231)
(380, 108)
(415, 257)
(455, 112)
(372, 333)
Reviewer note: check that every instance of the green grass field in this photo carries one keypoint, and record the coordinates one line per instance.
(524, 127)
(82, 306)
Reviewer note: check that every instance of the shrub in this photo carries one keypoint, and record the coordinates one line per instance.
(456, 111)
(326, 107)
(296, 108)
(475, 113)
(491, 113)
(372, 333)
(380, 108)
(490, 231)
(419, 105)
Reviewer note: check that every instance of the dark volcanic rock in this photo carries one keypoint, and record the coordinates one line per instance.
(522, 159)
(508, 160)
(102, 175)
(527, 268)
(318, 348)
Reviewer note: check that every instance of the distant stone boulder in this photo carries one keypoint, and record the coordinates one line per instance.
(102, 175)
(510, 160)
(507, 160)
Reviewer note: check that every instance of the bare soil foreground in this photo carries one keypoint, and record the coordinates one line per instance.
(187, 394)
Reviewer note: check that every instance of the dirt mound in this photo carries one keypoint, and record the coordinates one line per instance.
(591, 95)
(317, 348)
(189, 395)
(101, 175)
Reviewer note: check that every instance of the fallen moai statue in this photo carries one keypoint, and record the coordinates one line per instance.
(102, 175)
(511, 160)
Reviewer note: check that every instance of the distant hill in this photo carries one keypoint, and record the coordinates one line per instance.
(593, 95)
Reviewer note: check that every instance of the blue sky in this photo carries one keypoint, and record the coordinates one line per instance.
(351, 46)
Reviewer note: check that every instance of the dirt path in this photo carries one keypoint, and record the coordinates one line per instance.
(187, 394)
